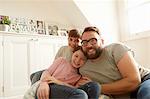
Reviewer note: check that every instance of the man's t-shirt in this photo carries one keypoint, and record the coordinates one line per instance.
(104, 69)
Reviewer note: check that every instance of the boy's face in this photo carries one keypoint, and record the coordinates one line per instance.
(78, 59)
(73, 42)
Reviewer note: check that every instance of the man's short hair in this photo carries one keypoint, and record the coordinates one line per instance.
(91, 28)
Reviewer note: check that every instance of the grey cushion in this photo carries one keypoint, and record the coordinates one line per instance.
(34, 77)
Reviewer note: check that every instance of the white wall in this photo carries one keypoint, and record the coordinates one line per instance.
(103, 14)
(40, 10)
(140, 45)
(141, 48)
(68, 13)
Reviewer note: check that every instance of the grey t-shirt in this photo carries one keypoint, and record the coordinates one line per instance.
(65, 52)
(104, 69)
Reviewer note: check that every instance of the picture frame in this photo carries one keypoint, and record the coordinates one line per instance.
(62, 33)
(51, 29)
(40, 27)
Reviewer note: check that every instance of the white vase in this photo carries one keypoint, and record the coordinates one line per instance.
(4, 27)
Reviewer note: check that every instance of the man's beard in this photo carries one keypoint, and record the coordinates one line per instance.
(97, 53)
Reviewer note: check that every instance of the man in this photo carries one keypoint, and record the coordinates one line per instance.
(114, 67)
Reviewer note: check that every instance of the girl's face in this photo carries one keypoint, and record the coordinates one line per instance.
(73, 42)
(78, 59)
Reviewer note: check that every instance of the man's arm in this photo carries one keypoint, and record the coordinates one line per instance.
(131, 77)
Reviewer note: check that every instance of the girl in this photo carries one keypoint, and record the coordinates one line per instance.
(61, 80)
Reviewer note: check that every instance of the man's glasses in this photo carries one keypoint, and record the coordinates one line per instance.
(92, 41)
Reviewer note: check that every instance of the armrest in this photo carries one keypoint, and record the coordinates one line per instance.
(34, 77)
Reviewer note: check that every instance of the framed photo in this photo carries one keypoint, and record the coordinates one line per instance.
(55, 30)
(51, 29)
(62, 33)
(40, 27)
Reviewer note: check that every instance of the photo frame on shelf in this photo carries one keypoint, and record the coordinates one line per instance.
(62, 32)
(55, 30)
(51, 29)
(40, 27)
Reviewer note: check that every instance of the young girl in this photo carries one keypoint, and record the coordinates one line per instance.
(61, 80)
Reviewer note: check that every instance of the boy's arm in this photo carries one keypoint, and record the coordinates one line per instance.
(58, 54)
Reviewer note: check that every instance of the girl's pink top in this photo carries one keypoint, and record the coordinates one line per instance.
(62, 70)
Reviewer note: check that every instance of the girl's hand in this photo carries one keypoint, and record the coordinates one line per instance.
(43, 91)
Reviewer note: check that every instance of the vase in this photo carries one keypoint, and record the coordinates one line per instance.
(4, 27)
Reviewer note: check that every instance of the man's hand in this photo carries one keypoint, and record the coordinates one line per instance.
(43, 91)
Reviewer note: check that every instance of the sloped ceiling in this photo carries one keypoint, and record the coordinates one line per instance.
(65, 8)
(71, 11)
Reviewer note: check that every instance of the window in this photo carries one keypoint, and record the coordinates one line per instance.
(138, 16)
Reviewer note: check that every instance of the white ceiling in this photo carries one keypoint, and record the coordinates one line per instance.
(67, 8)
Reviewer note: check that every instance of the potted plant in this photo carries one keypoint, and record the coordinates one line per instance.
(4, 23)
